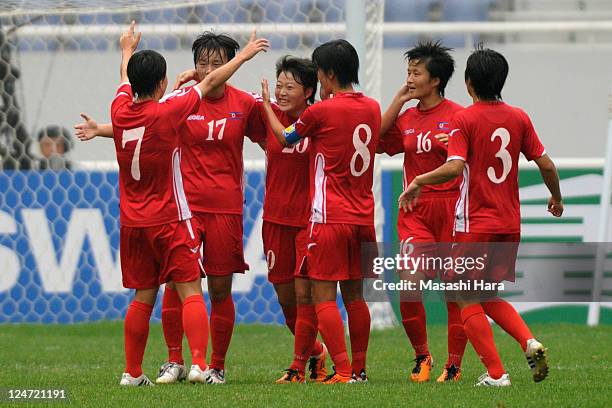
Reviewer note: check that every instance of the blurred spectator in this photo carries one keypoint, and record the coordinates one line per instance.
(54, 141)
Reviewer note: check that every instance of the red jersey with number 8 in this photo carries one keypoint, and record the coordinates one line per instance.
(147, 145)
(489, 136)
(344, 132)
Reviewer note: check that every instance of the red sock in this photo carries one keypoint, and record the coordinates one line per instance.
(413, 319)
(222, 318)
(172, 324)
(506, 316)
(457, 339)
(305, 335)
(195, 321)
(136, 333)
(332, 330)
(290, 313)
(478, 330)
(359, 329)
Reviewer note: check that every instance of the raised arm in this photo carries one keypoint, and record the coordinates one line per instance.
(549, 173)
(89, 129)
(222, 74)
(392, 112)
(269, 115)
(128, 43)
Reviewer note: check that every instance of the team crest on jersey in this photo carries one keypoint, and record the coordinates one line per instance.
(235, 115)
(195, 116)
(443, 126)
(408, 132)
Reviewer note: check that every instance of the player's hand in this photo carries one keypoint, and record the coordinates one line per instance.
(265, 90)
(408, 199)
(555, 207)
(184, 77)
(86, 130)
(254, 46)
(129, 39)
(403, 94)
(442, 137)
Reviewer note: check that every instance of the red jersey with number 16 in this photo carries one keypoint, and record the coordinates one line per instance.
(489, 137)
(146, 140)
(344, 132)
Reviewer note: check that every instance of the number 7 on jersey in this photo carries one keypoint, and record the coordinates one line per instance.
(131, 135)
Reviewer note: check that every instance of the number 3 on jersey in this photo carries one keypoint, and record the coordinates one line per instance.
(361, 149)
(134, 135)
(502, 154)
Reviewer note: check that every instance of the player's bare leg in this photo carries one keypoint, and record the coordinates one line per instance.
(136, 333)
(332, 329)
(285, 292)
(359, 321)
(414, 322)
(222, 318)
(195, 324)
(173, 370)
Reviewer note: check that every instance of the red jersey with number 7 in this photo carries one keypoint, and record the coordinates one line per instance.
(489, 136)
(344, 132)
(147, 144)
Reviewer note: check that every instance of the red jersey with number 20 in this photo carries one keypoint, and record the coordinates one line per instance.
(344, 132)
(489, 137)
(146, 140)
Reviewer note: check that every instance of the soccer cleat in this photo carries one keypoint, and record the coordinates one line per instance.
(128, 380)
(336, 378)
(171, 372)
(451, 373)
(197, 375)
(536, 358)
(485, 380)
(215, 376)
(361, 377)
(422, 368)
(291, 376)
(316, 366)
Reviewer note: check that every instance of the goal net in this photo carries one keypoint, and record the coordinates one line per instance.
(59, 231)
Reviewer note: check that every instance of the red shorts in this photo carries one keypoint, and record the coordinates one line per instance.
(301, 253)
(497, 253)
(221, 235)
(154, 255)
(429, 224)
(280, 247)
(334, 251)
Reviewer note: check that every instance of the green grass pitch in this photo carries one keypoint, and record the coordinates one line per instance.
(87, 360)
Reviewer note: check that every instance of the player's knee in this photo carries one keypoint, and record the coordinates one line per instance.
(147, 296)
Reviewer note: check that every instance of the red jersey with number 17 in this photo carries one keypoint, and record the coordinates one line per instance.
(489, 137)
(147, 144)
(344, 132)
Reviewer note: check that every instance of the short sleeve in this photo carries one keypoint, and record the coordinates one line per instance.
(180, 103)
(458, 143)
(307, 124)
(531, 146)
(256, 127)
(392, 143)
(123, 96)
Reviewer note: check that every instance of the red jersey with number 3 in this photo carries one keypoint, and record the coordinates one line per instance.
(344, 132)
(212, 140)
(413, 134)
(287, 182)
(147, 144)
(489, 137)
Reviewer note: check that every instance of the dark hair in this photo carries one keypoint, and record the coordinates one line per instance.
(339, 57)
(487, 70)
(56, 132)
(146, 70)
(211, 43)
(304, 72)
(437, 60)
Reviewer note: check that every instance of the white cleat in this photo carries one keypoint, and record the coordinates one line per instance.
(535, 354)
(485, 380)
(215, 376)
(128, 380)
(197, 375)
(170, 373)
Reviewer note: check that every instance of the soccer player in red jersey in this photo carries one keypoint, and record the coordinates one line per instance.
(343, 133)
(488, 137)
(430, 66)
(285, 216)
(212, 139)
(158, 242)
